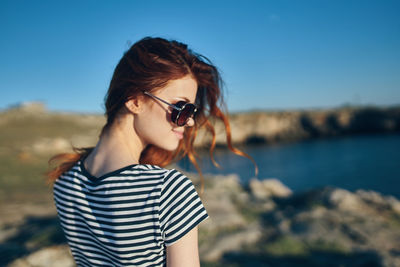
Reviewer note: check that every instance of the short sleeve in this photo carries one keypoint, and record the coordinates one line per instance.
(180, 207)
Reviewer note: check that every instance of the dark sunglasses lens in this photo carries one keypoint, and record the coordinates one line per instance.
(181, 117)
(185, 114)
(176, 113)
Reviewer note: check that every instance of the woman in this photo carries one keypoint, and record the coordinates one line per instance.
(117, 205)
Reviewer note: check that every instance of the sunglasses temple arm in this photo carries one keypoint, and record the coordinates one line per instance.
(162, 100)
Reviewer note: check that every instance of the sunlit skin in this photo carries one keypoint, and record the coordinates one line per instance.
(145, 121)
(152, 122)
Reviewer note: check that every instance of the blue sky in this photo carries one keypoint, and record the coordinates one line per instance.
(272, 54)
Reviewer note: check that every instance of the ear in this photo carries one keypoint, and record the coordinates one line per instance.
(134, 105)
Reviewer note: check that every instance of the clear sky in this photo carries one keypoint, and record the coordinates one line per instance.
(272, 54)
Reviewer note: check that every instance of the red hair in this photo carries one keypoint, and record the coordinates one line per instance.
(148, 66)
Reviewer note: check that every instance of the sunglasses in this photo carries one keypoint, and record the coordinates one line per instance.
(182, 111)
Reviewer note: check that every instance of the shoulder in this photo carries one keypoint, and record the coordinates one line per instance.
(175, 179)
(173, 174)
(176, 188)
(180, 207)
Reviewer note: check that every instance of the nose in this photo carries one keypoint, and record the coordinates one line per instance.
(190, 122)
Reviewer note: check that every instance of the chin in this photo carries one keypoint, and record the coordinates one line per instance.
(172, 146)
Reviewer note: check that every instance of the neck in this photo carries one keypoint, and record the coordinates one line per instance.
(118, 146)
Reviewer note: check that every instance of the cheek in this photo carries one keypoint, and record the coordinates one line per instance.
(154, 127)
(158, 114)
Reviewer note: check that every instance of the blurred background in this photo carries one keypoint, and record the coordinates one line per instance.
(313, 93)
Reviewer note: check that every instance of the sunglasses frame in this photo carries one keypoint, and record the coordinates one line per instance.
(179, 109)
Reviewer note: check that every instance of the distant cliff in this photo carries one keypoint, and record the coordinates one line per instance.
(270, 127)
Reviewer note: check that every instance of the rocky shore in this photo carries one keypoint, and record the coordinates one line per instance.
(265, 224)
(261, 224)
(282, 126)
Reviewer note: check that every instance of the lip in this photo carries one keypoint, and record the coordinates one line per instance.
(179, 134)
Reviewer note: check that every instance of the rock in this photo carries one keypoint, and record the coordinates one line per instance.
(51, 145)
(345, 200)
(218, 201)
(338, 221)
(268, 188)
(362, 201)
(223, 214)
(379, 201)
(394, 204)
(231, 242)
(47, 257)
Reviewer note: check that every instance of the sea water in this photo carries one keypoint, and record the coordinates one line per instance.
(369, 162)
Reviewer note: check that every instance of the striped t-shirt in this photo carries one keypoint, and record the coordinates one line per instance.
(126, 217)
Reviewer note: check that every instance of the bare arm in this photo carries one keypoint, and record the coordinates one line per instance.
(185, 252)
